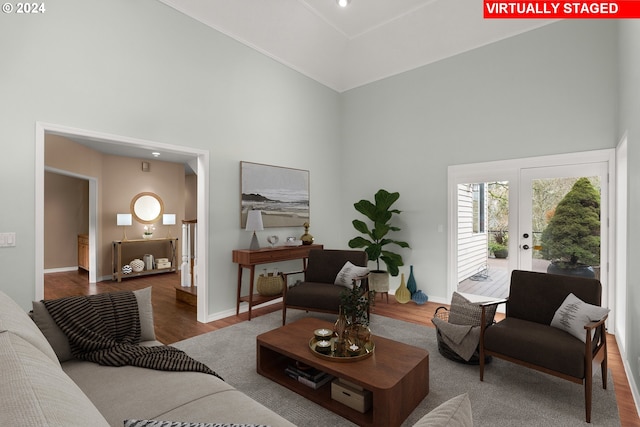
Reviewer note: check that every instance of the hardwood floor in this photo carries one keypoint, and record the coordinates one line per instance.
(176, 321)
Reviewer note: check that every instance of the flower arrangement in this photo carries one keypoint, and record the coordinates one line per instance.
(148, 231)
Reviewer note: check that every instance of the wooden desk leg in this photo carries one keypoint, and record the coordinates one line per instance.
(239, 289)
(253, 270)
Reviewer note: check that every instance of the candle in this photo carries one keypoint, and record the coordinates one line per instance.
(322, 334)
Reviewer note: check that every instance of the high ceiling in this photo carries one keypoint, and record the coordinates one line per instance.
(342, 48)
(369, 40)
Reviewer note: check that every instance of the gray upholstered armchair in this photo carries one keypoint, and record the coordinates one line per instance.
(318, 291)
(526, 336)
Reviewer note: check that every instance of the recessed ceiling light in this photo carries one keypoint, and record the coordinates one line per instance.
(343, 3)
(155, 154)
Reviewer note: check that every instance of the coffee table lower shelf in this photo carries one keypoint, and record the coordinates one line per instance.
(274, 370)
(397, 375)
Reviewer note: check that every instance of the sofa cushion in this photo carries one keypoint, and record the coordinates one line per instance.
(536, 296)
(129, 392)
(348, 272)
(15, 320)
(319, 296)
(36, 392)
(59, 341)
(574, 314)
(455, 412)
(541, 345)
(324, 264)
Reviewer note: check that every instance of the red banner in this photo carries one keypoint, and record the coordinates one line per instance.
(621, 9)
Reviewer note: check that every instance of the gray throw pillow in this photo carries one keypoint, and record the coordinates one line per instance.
(58, 340)
(465, 312)
(574, 314)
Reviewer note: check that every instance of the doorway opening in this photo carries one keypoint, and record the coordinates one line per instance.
(199, 160)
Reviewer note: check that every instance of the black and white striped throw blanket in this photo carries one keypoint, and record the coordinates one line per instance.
(105, 329)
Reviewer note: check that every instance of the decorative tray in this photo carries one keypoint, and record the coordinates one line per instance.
(363, 353)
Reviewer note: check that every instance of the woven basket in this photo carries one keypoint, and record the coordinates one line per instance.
(269, 286)
(443, 314)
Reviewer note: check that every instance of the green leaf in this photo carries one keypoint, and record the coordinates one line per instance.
(361, 227)
(359, 242)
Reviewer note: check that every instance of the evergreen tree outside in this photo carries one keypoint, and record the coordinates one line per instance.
(572, 237)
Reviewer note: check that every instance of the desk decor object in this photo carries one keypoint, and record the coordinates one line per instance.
(270, 284)
(137, 265)
(332, 350)
(306, 238)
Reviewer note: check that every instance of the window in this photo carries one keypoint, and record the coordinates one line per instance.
(478, 208)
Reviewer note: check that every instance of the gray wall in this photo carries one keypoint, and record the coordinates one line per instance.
(548, 91)
(630, 123)
(140, 69)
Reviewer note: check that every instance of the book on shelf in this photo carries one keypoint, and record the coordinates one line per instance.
(315, 383)
(306, 371)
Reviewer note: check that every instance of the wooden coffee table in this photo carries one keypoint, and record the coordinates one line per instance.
(397, 374)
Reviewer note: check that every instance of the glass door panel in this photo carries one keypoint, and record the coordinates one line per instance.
(561, 230)
(483, 238)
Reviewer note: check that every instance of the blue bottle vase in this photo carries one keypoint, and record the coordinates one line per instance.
(411, 283)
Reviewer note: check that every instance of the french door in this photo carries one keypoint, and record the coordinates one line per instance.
(542, 190)
(502, 213)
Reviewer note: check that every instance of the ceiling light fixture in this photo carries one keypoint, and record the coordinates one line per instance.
(343, 3)
(155, 154)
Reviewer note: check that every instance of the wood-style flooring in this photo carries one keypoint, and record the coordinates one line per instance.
(176, 321)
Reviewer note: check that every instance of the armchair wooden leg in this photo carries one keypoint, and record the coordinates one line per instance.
(588, 383)
(284, 314)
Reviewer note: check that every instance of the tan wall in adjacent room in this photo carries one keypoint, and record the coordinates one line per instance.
(66, 214)
(124, 182)
(119, 179)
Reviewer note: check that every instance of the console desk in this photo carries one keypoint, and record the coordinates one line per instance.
(246, 258)
(136, 248)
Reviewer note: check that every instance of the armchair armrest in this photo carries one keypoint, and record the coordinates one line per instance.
(593, 325)
(483, 316)
(288, 273)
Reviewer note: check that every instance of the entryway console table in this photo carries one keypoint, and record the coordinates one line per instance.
(246, 258)
(137, 248)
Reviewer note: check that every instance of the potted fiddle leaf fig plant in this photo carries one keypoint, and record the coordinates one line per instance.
(376, 238)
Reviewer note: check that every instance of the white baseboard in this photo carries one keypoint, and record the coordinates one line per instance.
(60, 269)
(243, 309)
(632, 382)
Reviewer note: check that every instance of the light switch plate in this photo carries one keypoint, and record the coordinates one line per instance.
(7, 240)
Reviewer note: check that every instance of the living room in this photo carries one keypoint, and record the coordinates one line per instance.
(116, 68)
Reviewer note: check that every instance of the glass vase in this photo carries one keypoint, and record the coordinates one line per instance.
(403, 295)
(411, 282)
(339, 331)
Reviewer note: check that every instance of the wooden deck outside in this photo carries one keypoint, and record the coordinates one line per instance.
(494, 280)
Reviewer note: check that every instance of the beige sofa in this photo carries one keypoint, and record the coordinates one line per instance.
(42, 385)
(36, 389)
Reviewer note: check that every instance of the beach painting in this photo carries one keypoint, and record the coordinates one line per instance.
(282, 194)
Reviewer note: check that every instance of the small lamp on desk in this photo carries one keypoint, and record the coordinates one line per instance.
(169, 219)
(254, 223)
(124, 220)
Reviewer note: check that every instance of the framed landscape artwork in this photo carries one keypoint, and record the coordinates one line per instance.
(282, 194)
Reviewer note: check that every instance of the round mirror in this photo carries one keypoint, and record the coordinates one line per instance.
(147, 208)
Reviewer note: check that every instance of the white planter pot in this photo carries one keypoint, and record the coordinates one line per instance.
(379, 281)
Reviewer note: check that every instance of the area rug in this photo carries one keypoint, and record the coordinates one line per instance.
(510, 395)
